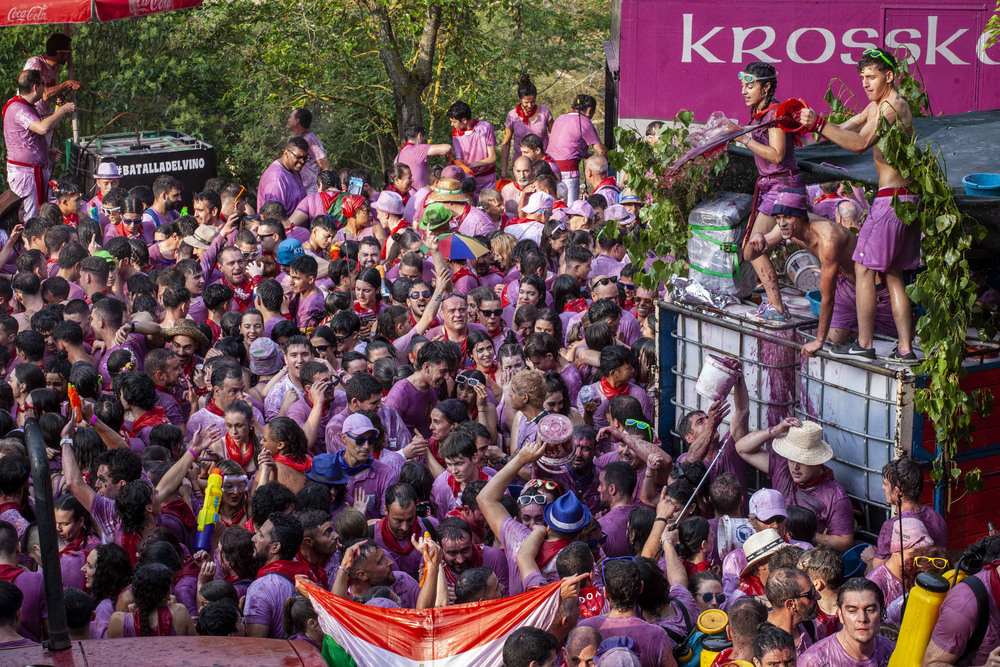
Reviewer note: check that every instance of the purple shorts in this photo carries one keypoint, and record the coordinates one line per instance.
(769, 187)
(885, 242)
(845, 309)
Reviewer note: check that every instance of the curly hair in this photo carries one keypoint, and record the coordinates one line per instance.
(131, 503)
(150, 587)
(287, 431)
(236, 546)
(112, 573)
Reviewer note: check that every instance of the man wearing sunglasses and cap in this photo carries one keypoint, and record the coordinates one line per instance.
(886, 244)
(369, 477)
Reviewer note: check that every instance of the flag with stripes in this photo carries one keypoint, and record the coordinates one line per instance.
(458, 635)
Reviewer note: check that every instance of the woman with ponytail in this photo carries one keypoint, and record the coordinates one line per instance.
(694, 544)
(524, 119)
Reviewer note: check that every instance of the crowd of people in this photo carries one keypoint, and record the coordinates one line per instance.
(439, 393)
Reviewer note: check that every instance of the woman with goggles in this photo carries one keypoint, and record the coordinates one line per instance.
(470, 386)
(774, 156)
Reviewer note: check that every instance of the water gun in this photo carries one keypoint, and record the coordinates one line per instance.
(74, 402)
(209, 512)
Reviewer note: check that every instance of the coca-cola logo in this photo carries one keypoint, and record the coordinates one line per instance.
(140, 7)
(33, 14)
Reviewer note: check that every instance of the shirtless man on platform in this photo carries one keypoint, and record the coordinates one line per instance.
(834, 245)
(885, 245)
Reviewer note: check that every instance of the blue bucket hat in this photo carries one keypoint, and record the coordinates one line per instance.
(567, 514)
(326, 470)
(288, 250)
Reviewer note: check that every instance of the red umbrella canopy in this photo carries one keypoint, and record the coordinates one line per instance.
(34, 12)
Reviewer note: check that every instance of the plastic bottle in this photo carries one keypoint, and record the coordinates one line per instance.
(209, 512)
(922, 608)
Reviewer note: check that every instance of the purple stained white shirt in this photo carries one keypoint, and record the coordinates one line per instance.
(935, 525)
(275, 397)
(473, 146)
(206, 419)
(830, 652)
(413, 405)
(680, 596)
(537, 125)
(652, 640)
(828, 501)
(574, 383)
(310, 170)
(415, 157)
(892, 587)
(571, 134)
(374, 480)
(22, 144)
(34, 607)
(312, 205)
(264, 603)
(476, 222)
(605, 265)
(615, 524)
(600, 418)
(106, 516)
(957, 621)
(279, 184)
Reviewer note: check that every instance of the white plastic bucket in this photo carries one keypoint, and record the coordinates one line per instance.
(803, 270)
(718, 377)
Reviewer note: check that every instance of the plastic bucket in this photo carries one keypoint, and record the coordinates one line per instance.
(815, 299)
(718, 377)
(982, 185)
(803, 270)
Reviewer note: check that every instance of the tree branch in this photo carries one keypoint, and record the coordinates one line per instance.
(428, 41)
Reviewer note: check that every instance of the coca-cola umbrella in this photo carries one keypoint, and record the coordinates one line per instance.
(34, 12)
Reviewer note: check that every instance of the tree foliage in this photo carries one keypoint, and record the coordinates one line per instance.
(230, 71)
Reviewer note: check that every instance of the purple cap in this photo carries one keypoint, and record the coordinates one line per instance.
(357, 423)
(581, 207)
(914, 534)
(453, 171)
(790, 202)
(555, 428)
(389, 202)
(766, 504)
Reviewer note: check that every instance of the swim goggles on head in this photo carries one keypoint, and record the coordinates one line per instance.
(751, 78)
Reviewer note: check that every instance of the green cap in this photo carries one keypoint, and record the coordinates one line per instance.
(436, 215)
(106, 256)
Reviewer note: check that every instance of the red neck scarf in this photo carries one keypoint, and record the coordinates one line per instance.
(456, 488)
(434, 323)
(408, 143)
(216, 329)
(477, 533)
(992, 568)
(825, 196)
(766, 110)
(76, 546)
(149, 418)
(326, 406)
(71, 219)
(286, 568)
(392, 188)
(180, 509)
(240, 515)
(361, 310)
(317, 572)
(124, 232)
(549, 550)
(169, 393)
(465, 340)
(610, 392)
(822, 478)
(214, 409)
(462, 273)
(607, 183)
(459, 133)
(525, 115)
(234, 452)
(10, 572)
(575, 306)
(477, 560)
(242, 293)
(390, 542)
(301, 466)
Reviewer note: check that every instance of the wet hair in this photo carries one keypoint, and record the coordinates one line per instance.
(219, 618)
(640, 525)
(525, 87)
(150, 588)
(767, 76)
(316, 496)
(801, 523)
(622, 582)
(881, 59)
(771, 638)
(269, 498)
(471, 585)
(824, 563)
(904, 473)
(79, 608)
(861, 585)
(418, 477)
(112, 574)
(236, 544)
(691, 533)
(296, 613)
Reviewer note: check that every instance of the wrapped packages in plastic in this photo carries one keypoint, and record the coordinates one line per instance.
(717, 228)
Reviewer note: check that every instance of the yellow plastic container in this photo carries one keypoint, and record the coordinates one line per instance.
(712, 647)
(922, 608)
(712, 621)
(950, 574)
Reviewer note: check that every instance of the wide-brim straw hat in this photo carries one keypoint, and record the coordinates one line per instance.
(448, 189)
(804, 444)
(761, 546)
(186, 328)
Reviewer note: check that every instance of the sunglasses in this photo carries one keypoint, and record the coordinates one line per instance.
(463, 379)
(547, 485)
(606, 280)
(809, 595)
(321, 348)
(751, 78)
(877, 53)
(298, 158)
(640, 424)
(939, 563)
(593, 544)
(708, 597)
(606, 560)
(528, 498)
(132, 221)
(420, 295)
(426, 508)
(109, 211)
(450, 295)
(492, 313)
(644, 300)
(362, 440)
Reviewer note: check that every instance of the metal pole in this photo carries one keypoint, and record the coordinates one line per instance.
(69, 75)
(47, 539)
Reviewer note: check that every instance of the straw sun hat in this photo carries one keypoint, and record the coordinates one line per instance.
(804, 444)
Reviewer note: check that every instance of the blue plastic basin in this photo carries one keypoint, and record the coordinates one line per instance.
(815, 299)
(982, 185)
